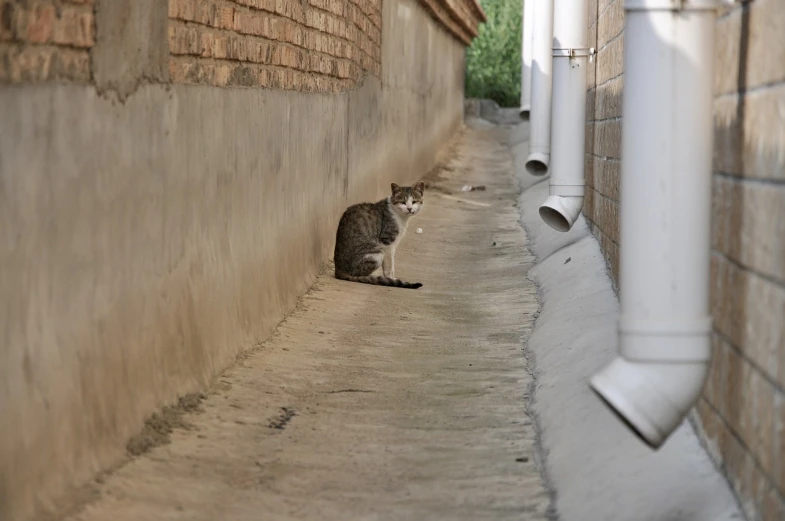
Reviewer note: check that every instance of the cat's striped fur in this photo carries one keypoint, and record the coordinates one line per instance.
(369, 233)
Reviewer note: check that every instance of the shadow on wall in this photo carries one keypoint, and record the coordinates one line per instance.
(727, 209)
(747, 378)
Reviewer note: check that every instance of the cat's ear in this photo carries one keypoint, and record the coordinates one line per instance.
(395, 188)
(420, 187)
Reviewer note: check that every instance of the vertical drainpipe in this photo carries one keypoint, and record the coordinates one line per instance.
(526, 54)
(664, 328)
(571, 57)
(541, 83)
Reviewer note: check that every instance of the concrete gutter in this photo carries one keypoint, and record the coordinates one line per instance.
(599, 471)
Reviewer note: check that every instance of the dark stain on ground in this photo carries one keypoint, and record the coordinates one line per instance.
(432, 186)
(282, 420)
(159, 426)
(433, 180)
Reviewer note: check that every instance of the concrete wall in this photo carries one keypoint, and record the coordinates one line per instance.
(742, 413)
(150, 232)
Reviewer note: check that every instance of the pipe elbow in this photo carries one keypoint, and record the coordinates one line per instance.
(537, 163)
(652, 399)
(665, 322)
(560, 212)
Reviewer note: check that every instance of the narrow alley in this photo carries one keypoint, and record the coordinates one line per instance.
(370, 402)
(600, 331)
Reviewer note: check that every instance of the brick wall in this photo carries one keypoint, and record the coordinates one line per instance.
(318, 45)
(307, 45)
(603, 126)
(43, 40)
(742, 413)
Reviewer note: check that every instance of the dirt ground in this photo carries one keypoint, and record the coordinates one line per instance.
(372, 403)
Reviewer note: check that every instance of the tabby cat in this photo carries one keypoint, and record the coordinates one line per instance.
(368, 234)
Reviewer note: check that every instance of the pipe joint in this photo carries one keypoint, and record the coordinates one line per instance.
(674, 341)
(658, 376)
(652, 399)
(566, 190)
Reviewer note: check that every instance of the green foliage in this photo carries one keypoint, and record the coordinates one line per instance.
(493, 62)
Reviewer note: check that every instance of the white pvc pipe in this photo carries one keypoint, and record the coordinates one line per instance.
(667, 129)
(540, 114)
(526, 55)
(570, 61)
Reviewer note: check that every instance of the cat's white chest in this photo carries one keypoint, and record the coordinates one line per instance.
(402, 224)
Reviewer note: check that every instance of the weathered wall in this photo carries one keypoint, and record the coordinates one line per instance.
(152, 230)
(742, 412)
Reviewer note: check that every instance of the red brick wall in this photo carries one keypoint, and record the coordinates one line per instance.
(321, 45)
(308, 45)
(43, 40)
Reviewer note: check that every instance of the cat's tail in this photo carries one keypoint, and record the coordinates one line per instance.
(379, 281)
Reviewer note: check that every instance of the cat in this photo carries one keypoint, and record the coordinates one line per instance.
(368, 234)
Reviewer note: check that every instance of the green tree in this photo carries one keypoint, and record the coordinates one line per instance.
(493, 62)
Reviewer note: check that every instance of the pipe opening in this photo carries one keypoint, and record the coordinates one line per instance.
(554, 219)
(560, 212)
(536, 167)
(623, 419)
